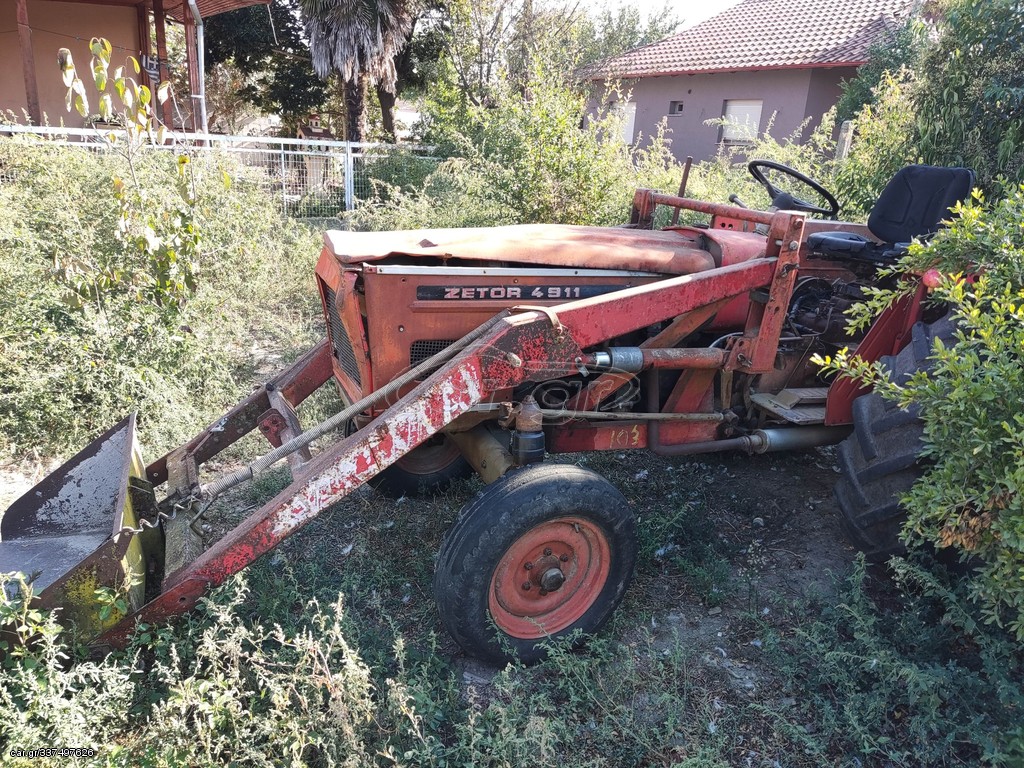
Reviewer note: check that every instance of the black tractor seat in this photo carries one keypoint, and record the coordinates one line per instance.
(912, 205)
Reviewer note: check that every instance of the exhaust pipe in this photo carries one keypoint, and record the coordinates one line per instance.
(793, 438)
(760, 441)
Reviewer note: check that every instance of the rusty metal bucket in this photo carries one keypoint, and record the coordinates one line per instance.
(66, 536)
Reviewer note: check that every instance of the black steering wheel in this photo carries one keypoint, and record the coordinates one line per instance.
(785, 201)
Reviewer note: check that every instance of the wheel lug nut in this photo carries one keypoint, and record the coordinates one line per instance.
(547, 552)
(564, 558)
(526, 586)
(528, 566)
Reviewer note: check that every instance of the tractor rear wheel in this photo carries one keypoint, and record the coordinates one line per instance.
(427, 469)
(539, 553)
(880, 461)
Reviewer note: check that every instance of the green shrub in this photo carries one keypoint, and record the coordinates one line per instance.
(72, 362)
(550, 158)
(888, 682)
(883, 142)
(395, 167)
(970, 497)
(278, 678)
(525, 160)
(900, 48)
(970, 103)
(328, 202)
(457, 194)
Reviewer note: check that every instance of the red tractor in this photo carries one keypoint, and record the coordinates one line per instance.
(490, 350)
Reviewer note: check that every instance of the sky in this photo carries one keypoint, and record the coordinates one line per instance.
(690, 11)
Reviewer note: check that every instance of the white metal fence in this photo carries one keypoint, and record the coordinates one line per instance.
(312, 179)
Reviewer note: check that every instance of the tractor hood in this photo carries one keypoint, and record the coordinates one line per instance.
(676, 252)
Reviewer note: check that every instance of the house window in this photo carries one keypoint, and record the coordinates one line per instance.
(742, 119)
(675, 107)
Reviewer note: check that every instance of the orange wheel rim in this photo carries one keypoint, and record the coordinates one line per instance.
(549, 577)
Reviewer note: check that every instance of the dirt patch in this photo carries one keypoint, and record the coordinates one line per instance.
(781, 544)
(17, 477)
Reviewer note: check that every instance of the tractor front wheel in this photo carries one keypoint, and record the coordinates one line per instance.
(539, 554)
(880, 460)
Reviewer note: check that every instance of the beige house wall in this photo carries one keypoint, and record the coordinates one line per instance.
(789, 97)
(58, 25)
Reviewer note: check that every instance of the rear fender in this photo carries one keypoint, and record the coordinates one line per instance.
(889, 334)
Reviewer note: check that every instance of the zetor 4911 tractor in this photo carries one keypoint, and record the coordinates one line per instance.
(488, 350)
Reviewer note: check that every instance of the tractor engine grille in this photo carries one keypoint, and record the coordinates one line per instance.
(341, 345)
(422, 350)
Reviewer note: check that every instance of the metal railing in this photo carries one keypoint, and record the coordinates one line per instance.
(313, 179)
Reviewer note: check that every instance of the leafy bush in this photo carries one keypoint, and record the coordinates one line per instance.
(883, 142)
(72, 362)
(970, 104)
(526, 160)
(550, 158)
(898, 49)
(396, 167)
(970, 497)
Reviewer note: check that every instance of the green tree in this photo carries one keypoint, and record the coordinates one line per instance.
(491, 40)
(360, 39)
(267, 46)
(480, 37)
(416, 62)
(970, 104)
(611, 31)
(900, 48)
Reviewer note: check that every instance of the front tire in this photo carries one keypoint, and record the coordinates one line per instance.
(540, 553)
(880, 461)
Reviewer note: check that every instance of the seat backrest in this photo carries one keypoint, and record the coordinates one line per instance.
(916, 200)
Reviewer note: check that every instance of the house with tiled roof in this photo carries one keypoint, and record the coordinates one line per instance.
(757, 62)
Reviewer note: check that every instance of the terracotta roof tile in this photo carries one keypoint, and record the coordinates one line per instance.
(766, 34)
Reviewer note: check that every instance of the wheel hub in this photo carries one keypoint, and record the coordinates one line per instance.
(545, 573)
(552, 579)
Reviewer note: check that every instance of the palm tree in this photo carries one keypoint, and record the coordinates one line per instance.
(360, 39)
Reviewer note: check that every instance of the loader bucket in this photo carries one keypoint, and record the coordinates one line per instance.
(65, 533)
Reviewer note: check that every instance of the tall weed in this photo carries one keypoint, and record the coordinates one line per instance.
(556, 157)
(70, 367)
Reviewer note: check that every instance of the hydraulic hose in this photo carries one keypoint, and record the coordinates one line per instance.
(217, 487)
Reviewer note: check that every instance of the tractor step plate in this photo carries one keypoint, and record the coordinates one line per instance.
(797, 406)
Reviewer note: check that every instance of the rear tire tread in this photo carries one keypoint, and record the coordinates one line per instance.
(880, 461)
